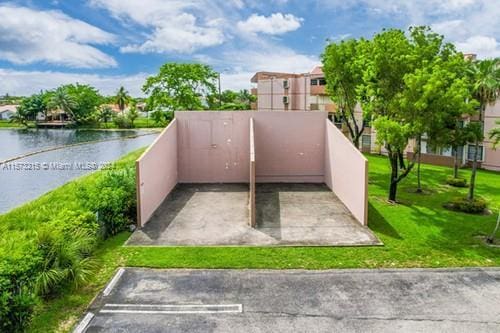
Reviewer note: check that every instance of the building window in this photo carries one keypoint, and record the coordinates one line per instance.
(471, 149)
(314, 82)
(322, 82)
(366, 141)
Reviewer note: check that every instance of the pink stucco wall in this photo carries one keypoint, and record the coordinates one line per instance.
(290, 147)
(346, 172)
(214, 146)
(156, 173)
(491, 155)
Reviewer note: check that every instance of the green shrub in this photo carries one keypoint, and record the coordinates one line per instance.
(71, 221)
(113, 200)
(123, 122)
(19, 261)
(456, 182)
(475, 206)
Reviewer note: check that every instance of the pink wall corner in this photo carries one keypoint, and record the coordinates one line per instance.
(346, 172)
(156, 173)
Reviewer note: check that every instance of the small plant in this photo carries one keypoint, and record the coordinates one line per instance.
(456, 182)
(66, 259)
(475, 206)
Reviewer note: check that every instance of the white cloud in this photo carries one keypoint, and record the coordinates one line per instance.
(30, 82)
(276, 24)
(181, 26)
(244, 63)
(485, 47)
(29, 36)
(468, 24)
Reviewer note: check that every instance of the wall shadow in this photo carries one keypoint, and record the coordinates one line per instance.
(378, 223)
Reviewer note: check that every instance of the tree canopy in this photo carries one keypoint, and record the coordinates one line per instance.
(407, 83)
(343, 70)
(180, 86)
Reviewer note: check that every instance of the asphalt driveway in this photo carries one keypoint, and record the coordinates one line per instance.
(417, 300)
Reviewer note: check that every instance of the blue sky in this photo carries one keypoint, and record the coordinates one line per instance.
(108, 43)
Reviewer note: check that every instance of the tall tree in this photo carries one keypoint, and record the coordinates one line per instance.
(486, 89)
(476, 136)
(87, 99)
(63, 101)
(410, 83)
(122, 99)
(437, 93)
(388, 58)
(180, 86)
(343, 67)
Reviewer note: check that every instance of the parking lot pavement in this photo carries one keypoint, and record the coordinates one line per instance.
(417, 300)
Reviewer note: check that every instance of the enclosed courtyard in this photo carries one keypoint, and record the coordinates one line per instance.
(286, 214)
(252, 179)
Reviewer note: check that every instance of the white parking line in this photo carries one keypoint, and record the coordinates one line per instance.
(113, 282)
(172, 308)
(84, 323)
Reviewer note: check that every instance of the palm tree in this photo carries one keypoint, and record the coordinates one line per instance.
(20, 117)
(63, 101)
(122, 99)
(486, 90)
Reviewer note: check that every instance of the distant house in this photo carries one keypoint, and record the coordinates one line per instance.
(7, 111)
(114, 107)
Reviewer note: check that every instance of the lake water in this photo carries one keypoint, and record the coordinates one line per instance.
(19, 183)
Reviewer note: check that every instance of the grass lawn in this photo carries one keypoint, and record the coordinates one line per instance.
(140, 122)
(418, 232)
(7, 124)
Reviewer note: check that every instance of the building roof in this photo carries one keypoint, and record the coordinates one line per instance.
(268, 75)
(5, 108)
(316, 71)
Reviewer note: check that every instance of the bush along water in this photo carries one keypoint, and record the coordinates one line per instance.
(40, 261)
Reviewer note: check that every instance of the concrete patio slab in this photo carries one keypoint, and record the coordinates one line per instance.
(286, 215)
(405, 300)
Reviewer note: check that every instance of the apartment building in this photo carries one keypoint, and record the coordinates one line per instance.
(292, 92)
(278, 91)
(489, 158)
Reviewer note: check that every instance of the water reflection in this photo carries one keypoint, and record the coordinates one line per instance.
(20, 186)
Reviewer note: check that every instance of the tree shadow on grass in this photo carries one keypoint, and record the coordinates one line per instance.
(379, 224)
